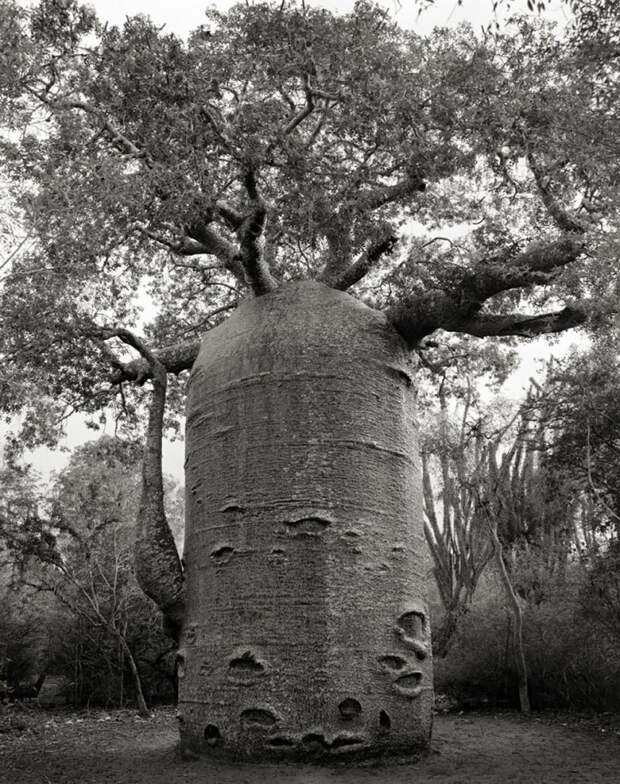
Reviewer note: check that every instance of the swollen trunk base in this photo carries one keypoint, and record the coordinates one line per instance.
(306, 634)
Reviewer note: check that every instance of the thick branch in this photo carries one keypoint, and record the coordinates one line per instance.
(418, 317)
(525, 326)
(372, 200)
(175, 359)
(535, 266)
(337, 267)
(303, 113)
(256, 270)
(456, 308)
(215, 245)
(201, 240)
(364, 263)
(562, 219)
(232, 218)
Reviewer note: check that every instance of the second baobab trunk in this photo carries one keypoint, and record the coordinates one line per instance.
(306, 630)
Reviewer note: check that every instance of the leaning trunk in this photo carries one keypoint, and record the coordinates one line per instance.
(140, 701)
(306, 631)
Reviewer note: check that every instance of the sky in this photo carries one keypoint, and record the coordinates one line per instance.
(181, 16)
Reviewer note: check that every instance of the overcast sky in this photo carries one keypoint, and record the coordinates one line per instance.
(180, 16)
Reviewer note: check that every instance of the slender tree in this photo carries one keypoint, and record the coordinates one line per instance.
(455, 530)
(268, 166)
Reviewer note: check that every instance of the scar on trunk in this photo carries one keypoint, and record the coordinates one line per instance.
(315, 742)
(385, 722)
(350, 709)
(277, 556)
(346, 741)
(411, 628)
(245, 668)
(222, 555)
(409, 685)
(282, 742)
(308, 526)
(392, 662)
(258, 716)
(232, 508)
(213, 735)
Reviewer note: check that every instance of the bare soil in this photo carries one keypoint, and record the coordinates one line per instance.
(100, 747)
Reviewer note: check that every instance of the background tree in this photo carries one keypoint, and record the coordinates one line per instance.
(554, 542)
(280, 144)
(456, 535)
(77, 546)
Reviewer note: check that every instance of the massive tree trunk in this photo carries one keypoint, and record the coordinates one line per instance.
(306, 631)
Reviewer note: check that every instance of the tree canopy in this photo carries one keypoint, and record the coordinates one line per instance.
(282, 142)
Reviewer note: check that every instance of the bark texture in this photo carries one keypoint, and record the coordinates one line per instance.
(306, 632)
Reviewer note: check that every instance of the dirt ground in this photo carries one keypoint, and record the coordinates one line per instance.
(99, 747)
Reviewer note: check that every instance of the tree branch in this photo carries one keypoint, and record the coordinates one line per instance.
(303, 113)
(372, 200)
(364, 263)
(456, 307)
(257, 273)
(496, 325)
(562, 219)
(232, 218)
(208, 241)
(337, 266)
(175, 359)
(201, 240)
(537, 265)
(119, 140)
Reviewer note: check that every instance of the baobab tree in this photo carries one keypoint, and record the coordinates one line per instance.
(254, 183)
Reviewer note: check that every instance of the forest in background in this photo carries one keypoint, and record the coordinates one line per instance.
(522, 518)
(521, 506)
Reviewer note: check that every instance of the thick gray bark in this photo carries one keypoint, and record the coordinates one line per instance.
(306, 631)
